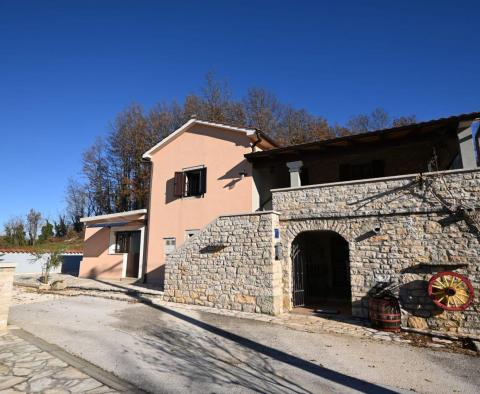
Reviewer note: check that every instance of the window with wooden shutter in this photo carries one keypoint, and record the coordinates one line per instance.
(190, 183)
(178, 184)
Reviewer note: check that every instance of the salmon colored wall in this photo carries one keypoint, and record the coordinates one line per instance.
(97, 262)
(222, 153)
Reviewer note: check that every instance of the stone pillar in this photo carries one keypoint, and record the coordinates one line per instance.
(295, 167)
(467, 144)
(6, 284)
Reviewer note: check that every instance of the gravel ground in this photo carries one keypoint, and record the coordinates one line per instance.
(25, 295)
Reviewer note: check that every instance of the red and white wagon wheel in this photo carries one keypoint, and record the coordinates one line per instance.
(450, 291)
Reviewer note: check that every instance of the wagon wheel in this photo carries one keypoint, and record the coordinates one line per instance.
(450, 291)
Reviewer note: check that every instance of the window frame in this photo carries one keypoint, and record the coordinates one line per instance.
(124, 245)
(181, 180)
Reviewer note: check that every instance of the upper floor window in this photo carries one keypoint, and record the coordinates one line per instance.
(190, 183)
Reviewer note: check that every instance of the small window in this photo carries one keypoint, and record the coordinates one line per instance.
(191, 233)
(190, 183)
(122, 241)
(170, 245)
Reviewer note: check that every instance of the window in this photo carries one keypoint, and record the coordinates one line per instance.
(122, 241)
(372, 169)
(170, 245)
(190, 183)
(191, 233)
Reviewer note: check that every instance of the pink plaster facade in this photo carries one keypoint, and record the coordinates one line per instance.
(230, 189)
(222, 152)
(99, 257)
(97, 262)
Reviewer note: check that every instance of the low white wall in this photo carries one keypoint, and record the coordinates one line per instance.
(26, 263)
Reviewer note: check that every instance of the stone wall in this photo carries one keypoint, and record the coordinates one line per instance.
(419, 235)
(230, 264)
(6, 283)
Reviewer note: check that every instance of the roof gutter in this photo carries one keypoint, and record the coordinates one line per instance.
(259, 139)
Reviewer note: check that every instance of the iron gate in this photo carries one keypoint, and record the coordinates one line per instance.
(298, 261)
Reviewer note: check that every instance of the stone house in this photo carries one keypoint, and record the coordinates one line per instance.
(320, 224)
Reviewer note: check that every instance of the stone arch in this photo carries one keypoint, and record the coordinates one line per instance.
(292, 229)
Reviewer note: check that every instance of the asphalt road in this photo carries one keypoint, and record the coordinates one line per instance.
(174, 350)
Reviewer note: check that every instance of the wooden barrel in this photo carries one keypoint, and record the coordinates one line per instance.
(385, 313)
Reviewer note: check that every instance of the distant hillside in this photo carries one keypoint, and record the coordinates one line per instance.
(73, 242)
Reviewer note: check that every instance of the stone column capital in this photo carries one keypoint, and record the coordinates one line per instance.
(295, 166)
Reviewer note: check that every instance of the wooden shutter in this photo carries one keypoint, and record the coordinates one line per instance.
(178, 184)
(203, 180)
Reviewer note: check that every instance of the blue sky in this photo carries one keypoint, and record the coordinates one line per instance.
(68, 67)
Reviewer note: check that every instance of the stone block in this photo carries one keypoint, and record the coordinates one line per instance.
(59, 285)
(7, 271)
(417, 322)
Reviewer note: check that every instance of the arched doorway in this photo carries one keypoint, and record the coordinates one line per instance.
(321, 271)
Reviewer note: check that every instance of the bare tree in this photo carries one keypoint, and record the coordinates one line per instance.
(298, 126)
(100, 192)
(34, 219)
(404, 120)
(359, 124)
(216, 99)
(162, 120)
(193, 106)
(263, 110)
(15, 231)
(378, 119)
(77, 203)
(133, 133)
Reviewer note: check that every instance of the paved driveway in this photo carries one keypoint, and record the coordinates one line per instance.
(175, 350)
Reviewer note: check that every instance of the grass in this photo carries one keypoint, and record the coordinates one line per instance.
(72, 242)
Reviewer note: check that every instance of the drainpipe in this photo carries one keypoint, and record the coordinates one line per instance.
(147, 222)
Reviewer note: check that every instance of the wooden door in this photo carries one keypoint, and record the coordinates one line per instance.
(133, 258)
